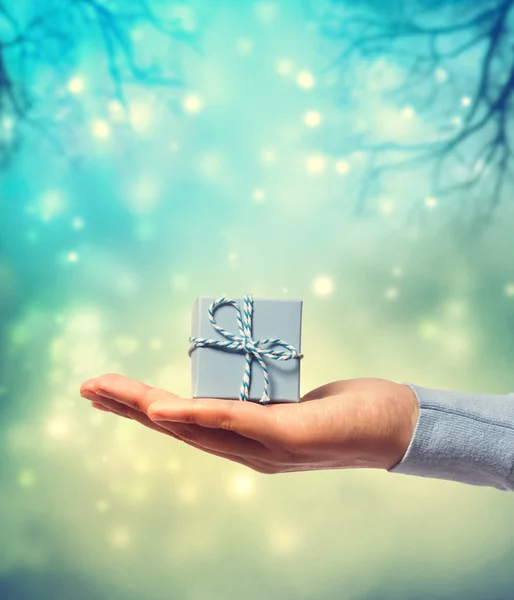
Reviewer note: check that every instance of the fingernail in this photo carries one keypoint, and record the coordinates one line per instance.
(88, 395)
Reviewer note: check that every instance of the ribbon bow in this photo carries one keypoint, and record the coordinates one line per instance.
(245, 343)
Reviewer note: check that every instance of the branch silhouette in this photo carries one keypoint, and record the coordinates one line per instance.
(51, 39)
(426, 38)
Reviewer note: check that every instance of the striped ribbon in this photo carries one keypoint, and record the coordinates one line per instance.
(245, 343)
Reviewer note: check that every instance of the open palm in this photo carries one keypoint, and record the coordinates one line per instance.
(343, 424)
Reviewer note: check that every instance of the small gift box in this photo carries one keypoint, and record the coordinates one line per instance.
(246, 349)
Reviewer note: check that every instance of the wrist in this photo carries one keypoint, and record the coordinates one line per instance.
(387, 416)
(404, 417)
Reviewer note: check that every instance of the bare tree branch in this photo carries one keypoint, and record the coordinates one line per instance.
(423, 37)
(52, 38)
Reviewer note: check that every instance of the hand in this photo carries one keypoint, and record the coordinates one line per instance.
(344, 424)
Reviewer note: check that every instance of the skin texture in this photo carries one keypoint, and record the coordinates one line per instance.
(344, 424)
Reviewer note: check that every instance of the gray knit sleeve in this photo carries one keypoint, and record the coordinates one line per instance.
(462, 437)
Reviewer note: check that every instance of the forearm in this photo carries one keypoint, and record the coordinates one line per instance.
(462, 437)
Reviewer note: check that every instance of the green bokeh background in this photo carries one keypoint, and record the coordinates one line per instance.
(100, 263)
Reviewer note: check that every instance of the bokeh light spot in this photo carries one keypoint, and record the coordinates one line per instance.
(241, 486)
(312, 118)
(115, 108)
(126, 345)
(180, 281)
(141, 116)
(386, 206)
(283, 539)
(144, 194)
(457, 344)
(7, 124)
(102, 506)
(323, 285)
(258, 196)
(174, 465)
(76, 85)
(408, 112)
(51, 204)
(58, 428)
(268, 156)
(428, 330)
(126, 283)
(192, 104)
(305, 80)
(284, 67)
(244, 45)
(84, 323)
(391, 293)
(456, 309)
(119, 537)
(441, 75)
(211, 164)
(266, 11)
(155, 344)
(139, 493)
(101, 129)
(188, 492)
(26, 478)
(315, 165)
(342, 167)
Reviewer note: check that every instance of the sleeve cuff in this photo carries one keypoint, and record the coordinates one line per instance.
(462, 437)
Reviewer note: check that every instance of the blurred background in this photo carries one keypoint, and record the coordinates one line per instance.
(353, 154)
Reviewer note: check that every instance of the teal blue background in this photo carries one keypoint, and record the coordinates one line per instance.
(101, 259)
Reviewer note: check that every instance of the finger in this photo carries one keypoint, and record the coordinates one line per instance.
(132, 393)
(99, 406)
(219, 440)
(254, 464)
(187, 434)
(109, 410)
(212, 439)
(248, 419)
(122, 410)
